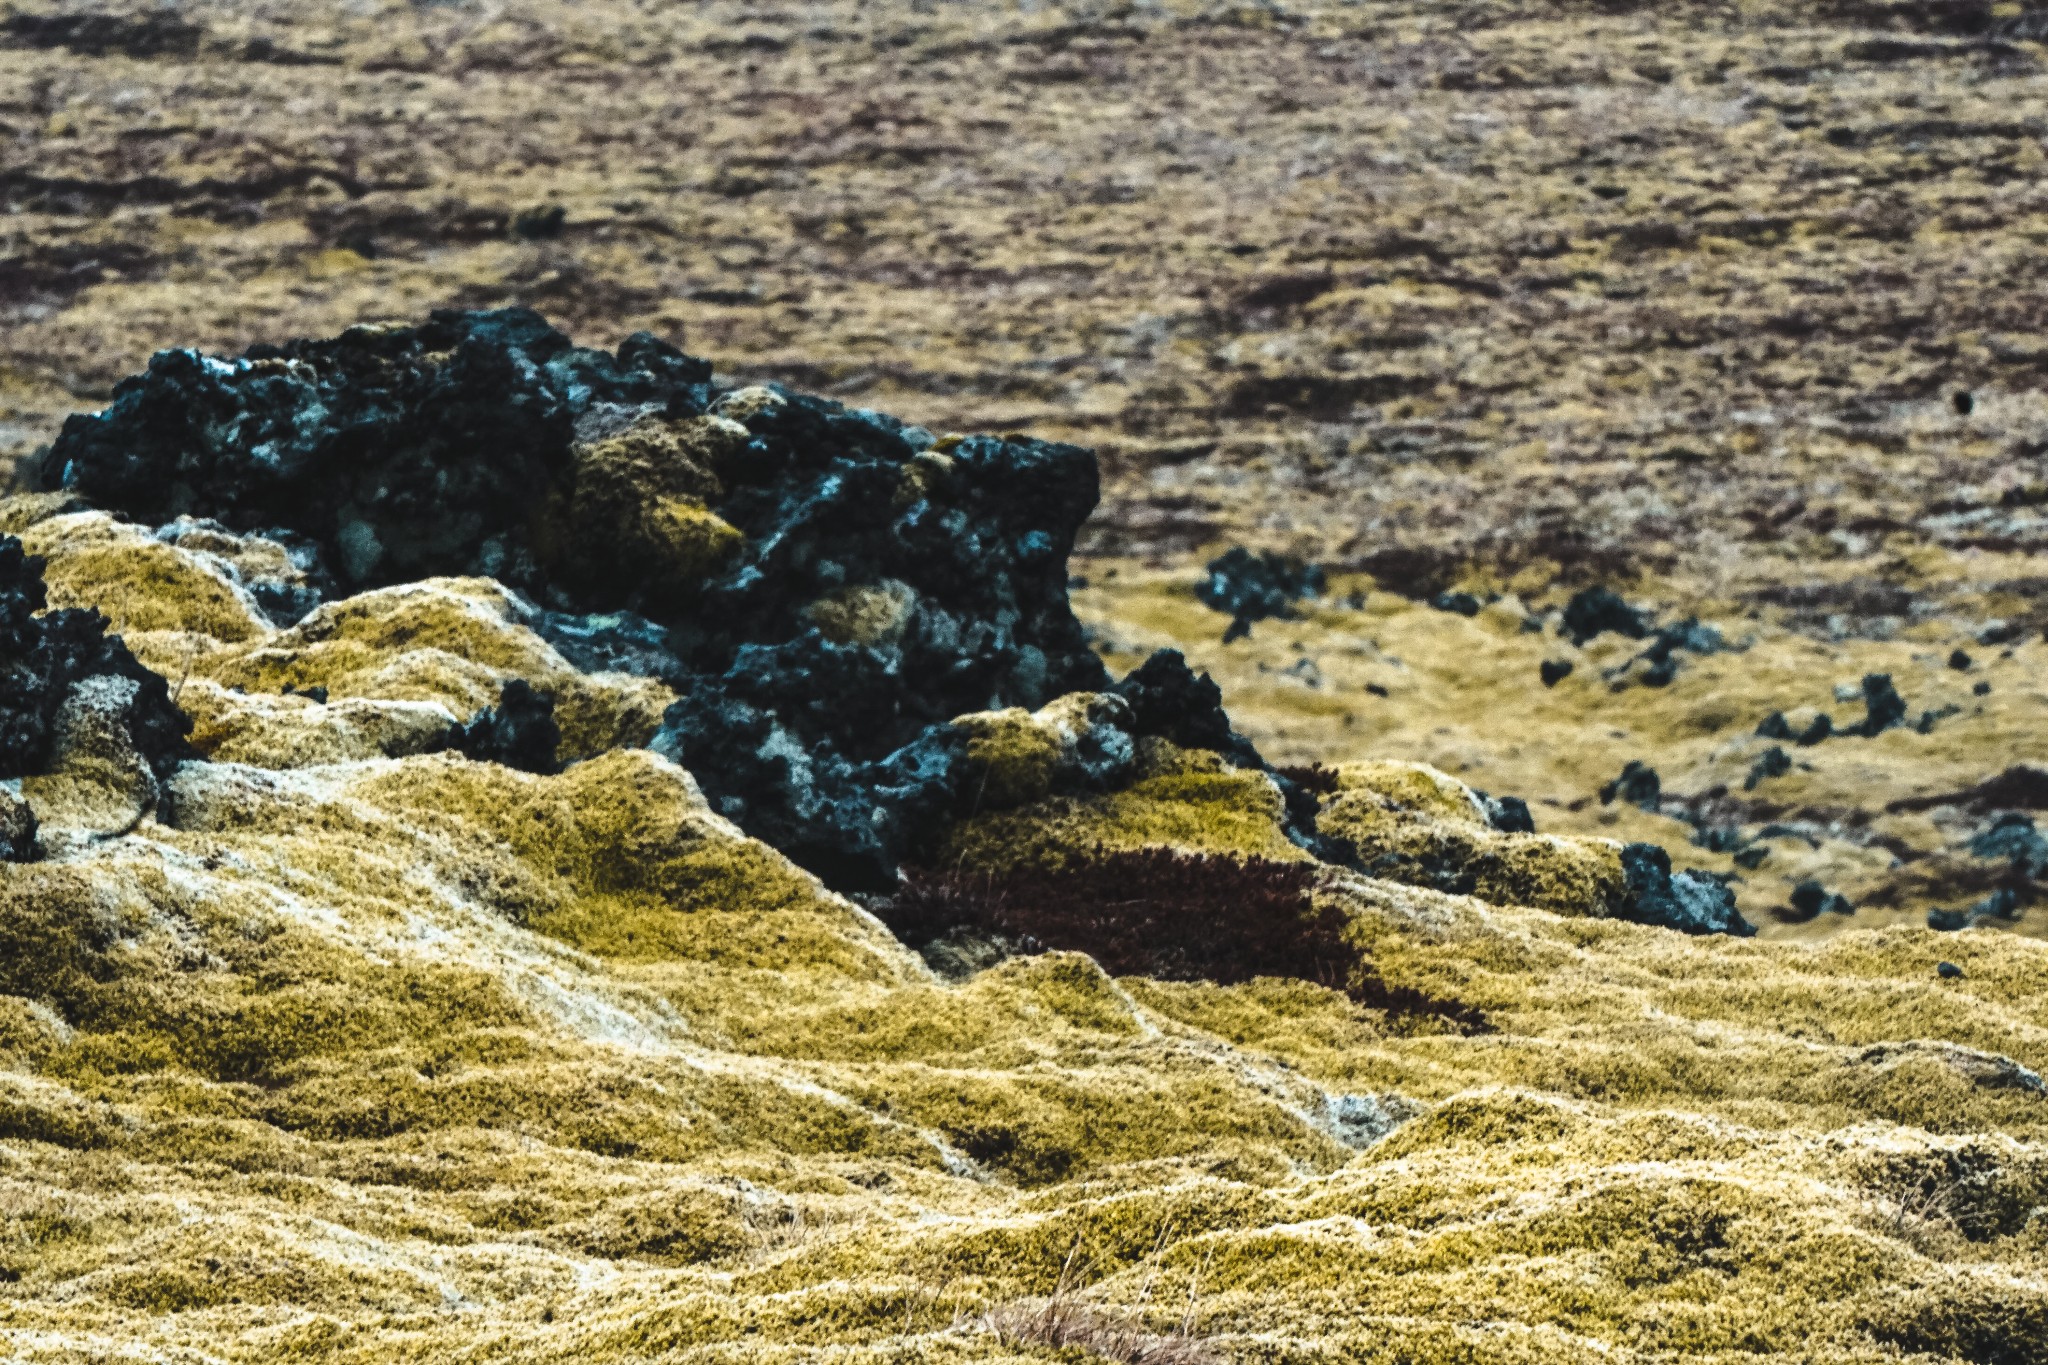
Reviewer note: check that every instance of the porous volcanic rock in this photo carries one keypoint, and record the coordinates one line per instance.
(402, 452)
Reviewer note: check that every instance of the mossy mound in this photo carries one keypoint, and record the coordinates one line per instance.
(1409, 822)
(1187, 799)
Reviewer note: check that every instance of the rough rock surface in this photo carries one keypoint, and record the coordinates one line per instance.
(1248, 586)
(401, 452)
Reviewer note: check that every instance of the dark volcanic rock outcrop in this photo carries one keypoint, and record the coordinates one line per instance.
(825, 587)
(401, 451)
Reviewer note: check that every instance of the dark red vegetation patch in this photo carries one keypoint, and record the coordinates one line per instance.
(1168, 915)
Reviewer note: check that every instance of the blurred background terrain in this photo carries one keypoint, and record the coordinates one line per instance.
(1734, 309)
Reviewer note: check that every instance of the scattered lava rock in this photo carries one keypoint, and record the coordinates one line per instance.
(1595, 611)
(1960, 661)
(1775, 726)
(1248, 586)
(44, 659)
(1457, 603)
(1948, 971)
(1689, 902)
(2006, 904)
(1508, 814)
(1772, 762)
(1665, 642)
(2013, 838)
(519, 732)
(1638, 785)
(1882, 704)
(1555, 671)
(1810, 900)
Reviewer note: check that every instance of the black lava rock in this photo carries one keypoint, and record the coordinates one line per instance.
(1457, 603)
(1948, 971)
(2012, 838)
(1982, 689)
(1772, 762)
(1665, 642)
(401, 452)
(1998, 633)
(519, 732)
(1555, 671)
(2006, 903)
(1594, 611)
(1638, 785)
(1690, 902)
(765, 741)
(1960, 661)
(616, 642)
(1775, 726)
(877, 584)
(1810, 900)
(43, 658)
(1883, 706)
(1248, 586)
(1508, 814)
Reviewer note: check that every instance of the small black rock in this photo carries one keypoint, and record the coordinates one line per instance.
(43, 658)
(1963, 401)
(1948, 971)
(519, 732)
(1690, 902)
(1998, 633)
(1508, 814)
(1555, 671)
(1638, 785)
(1960, 661)
(1982, 689)
(1772, 762)
(1810, 900)
(1458, 603)
(1594, 611)
(1883, 706)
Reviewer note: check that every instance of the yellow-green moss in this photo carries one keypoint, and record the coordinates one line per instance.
(1409, 822)
(638, 512)
(138, 582)
(1017, 754)
(868, 614)
(1184, 799)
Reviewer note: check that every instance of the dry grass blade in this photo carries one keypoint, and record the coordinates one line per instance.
(1062, 1321)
